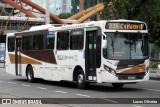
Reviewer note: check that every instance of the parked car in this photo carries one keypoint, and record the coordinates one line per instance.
(2, 58)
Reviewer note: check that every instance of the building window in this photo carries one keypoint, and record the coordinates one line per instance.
(76, 39)
(63, 40)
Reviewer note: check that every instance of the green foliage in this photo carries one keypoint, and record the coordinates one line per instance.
(152, 49)
(76, 2)
(143, 10)
(65, 15)
(154, 64)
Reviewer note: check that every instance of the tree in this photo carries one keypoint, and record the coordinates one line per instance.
(143, 10)
(65, 15)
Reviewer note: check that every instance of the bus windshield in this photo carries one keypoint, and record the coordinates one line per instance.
(125, 46)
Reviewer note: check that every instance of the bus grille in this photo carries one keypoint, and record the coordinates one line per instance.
(130, 77)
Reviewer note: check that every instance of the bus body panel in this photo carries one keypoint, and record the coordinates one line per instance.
(56, 64)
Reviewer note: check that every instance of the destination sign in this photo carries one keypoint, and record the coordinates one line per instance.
(125, 26)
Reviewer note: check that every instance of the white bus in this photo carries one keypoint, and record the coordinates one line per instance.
(114, 51)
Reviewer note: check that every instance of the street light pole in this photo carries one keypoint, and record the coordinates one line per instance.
(47, 12)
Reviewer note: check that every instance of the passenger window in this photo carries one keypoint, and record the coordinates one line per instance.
(11, 44)
(38, 42)
(27, 43)
(50, 41)
(63, 40)
(76, 39)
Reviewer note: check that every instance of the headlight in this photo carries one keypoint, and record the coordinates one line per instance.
(110, 70)
(106, 68)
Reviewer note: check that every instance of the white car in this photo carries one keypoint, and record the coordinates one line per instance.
(2, 59)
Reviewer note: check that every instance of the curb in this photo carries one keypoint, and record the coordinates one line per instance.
(153, 70)
(154, 78)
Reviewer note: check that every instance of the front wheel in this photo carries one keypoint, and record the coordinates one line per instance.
(81, 84)
(30, 74)
(117, 85)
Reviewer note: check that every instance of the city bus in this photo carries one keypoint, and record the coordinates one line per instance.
(109, 51)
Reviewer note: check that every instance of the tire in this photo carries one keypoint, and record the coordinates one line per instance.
(117, 85)
(30, 74)
(81, 84)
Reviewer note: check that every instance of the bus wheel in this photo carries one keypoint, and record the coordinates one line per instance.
(81, 84)
(117, 85)
(30, 74)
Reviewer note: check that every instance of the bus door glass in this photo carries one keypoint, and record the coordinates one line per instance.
(18, 55)
(90, 62)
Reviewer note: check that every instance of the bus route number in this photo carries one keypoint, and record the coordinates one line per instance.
(124, 26)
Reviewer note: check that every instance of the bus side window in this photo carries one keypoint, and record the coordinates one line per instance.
(50, 41)
(38, 42)
(27, 43)
(11, 44)
(76, 39)
(63, 40)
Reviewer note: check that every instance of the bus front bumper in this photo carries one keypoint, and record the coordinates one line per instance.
(104, 76)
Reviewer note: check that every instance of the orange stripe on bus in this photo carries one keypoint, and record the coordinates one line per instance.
(135, 70)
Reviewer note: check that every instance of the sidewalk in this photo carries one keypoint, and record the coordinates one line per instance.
(153, 74)
(2, 65)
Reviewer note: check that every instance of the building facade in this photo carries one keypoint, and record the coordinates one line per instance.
(56, 6)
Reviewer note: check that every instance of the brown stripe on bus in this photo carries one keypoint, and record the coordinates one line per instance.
(23, 60)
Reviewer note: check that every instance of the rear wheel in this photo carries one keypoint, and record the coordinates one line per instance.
(117, 85)
(81, 84)
(30, 74)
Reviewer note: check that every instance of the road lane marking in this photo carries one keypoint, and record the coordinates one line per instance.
(83, 95)
(136, 106)
(12, 83)
(25, 85)
(110, 100)
(150, 89)
(42, 88)
(61, 92)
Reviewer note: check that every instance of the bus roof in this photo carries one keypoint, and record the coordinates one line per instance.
(10, 34)
(52, 27)
(41, 27)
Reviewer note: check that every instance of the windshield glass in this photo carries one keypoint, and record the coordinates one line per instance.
(126, 46)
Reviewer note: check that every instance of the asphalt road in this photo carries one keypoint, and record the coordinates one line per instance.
(17, 87)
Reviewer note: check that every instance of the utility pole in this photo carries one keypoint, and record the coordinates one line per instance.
(81, 5)
(47, 12)
(98, 15)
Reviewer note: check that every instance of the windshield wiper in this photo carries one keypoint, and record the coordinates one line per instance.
(112, 44)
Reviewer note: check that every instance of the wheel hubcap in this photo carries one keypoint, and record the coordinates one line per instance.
(80, 79)
(29, 75)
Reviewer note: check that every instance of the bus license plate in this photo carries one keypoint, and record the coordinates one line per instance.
(131, 77)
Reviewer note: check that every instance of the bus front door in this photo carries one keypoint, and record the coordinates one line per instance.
(18, 67)
(90, 55)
